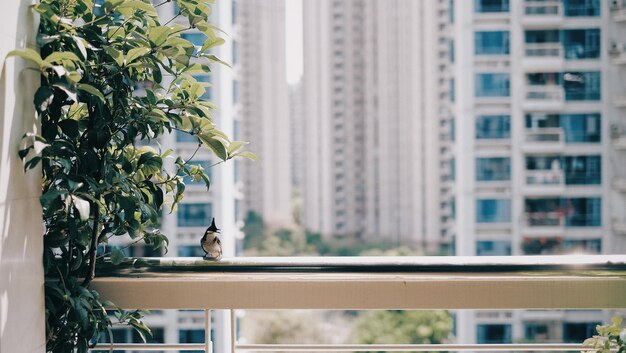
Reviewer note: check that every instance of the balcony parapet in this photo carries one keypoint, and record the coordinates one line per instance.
(506, 282)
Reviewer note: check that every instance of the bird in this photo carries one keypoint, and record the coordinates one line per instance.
(210, 243)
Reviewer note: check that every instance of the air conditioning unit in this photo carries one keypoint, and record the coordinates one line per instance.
(616, 4)
(615, 131)
(615, 48)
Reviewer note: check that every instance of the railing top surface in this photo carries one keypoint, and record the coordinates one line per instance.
(366, 282)
(532, 265)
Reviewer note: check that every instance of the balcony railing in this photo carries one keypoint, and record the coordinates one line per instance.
(552, 93)
(542, 8)
(505, 282)
(543, 50)
(545, 219)
(545, 135)
(545, 177)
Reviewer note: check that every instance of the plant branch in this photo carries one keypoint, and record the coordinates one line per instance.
(93, 249)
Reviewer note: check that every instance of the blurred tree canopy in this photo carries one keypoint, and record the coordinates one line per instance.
(403, 327)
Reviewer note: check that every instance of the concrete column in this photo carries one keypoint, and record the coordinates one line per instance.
(22, 327)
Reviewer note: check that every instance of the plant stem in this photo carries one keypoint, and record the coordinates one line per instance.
(93, 249)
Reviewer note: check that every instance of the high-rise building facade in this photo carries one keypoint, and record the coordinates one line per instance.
(538, 161)
(366, 100)
(262, 108)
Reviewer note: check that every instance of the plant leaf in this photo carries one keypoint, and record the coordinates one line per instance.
(136, 53)
(28, 54)
(117, 256)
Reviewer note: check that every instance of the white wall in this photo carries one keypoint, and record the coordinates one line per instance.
(22, 327)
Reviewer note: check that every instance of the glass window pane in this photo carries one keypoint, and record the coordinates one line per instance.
(493, 169)
(493, 127)
(194, 214)
(492, 85)
(491, 6)
(491, 43)
(493, 211)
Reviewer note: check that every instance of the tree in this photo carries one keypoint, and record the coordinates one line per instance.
(403, 327)
(102, 66)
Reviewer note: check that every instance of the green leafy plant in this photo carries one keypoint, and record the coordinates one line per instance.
(112, 74)
(610, 338)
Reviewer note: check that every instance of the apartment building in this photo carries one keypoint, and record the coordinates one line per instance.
(538, 160)
(262, 109)
(367, 137)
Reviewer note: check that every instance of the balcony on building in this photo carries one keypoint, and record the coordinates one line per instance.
(559, 245)
(491, 11)
(551, 175)
(552, 132)
(542, 13)
(551, 90)
(549, 49)
(552, 215)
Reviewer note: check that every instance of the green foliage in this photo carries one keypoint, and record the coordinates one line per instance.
(96, 182)
(260, 241)
(610, 338)
(403, 327)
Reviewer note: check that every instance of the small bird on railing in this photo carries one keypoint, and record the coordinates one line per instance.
(211, 244)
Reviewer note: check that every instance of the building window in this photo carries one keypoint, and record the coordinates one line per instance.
(194, 214)
(576, 332)
(578, 128)
(583, 212)
(583, 170)
(491, 6)
(235, 52)
(493, 211)
(540, 331)
(493, 169)
(586, 246)
(235, 92)
(581, 43)
(581, 127)
(579, 8)
(493, 248)
(582, 86)
(491, 43)
(492, 85)
(191, 336)
(493, 127)
(572, 212)
(493, 333)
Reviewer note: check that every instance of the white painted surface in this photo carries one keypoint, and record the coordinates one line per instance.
(22, 327)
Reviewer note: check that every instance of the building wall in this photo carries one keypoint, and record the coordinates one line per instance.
(22, 325)
(525, 60)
